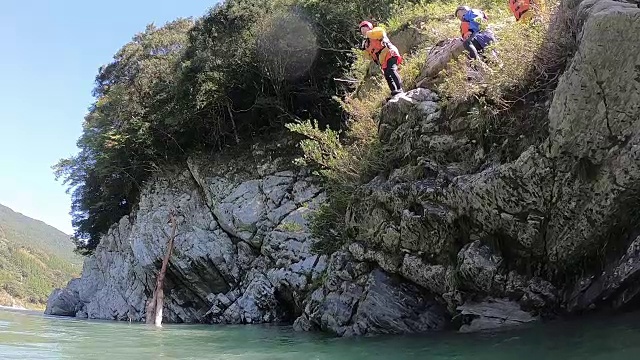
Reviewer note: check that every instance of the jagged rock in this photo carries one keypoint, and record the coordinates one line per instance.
(493, 314)
(352, 302)
(478, 267)
(242, 241)
(435, 278)
(239, 213)
(400, 110)
(82, 314)
(63, 302)
(618, 286)
(258, 304)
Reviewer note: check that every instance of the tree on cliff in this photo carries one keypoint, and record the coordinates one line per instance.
(155, 305)
(123, 136)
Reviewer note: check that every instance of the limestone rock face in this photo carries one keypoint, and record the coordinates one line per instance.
(242, 251)
(595, 130)
(617, 285)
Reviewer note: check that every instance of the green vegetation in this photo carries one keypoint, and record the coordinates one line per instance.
(291, 227)
(34, 259)
(246, 67)
(507, 102)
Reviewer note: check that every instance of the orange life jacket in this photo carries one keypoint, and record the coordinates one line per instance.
(464, 29)
(519, 8)
(379, 48)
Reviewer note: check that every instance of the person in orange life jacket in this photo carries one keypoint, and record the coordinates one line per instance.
(521, 10)
(526, 10)
(378, 48)
(475, 40)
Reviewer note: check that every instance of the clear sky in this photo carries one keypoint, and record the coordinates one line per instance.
(50, 52)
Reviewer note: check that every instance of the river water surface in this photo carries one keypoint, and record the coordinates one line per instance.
(28, 335)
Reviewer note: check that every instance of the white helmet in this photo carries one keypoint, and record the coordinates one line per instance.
(461, 7)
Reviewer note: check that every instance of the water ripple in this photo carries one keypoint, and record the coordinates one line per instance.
(28, 335)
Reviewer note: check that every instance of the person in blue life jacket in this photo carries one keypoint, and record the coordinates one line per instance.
(473, 30)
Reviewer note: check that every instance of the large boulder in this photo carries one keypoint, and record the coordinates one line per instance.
(493, 314)
(356, 301)
(63, 302)
(594, 137)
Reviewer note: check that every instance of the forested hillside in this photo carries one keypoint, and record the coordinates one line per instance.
(34, 259)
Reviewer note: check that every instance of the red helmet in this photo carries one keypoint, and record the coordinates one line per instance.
(366, 24)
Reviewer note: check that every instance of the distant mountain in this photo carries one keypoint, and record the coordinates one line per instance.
(34, 259)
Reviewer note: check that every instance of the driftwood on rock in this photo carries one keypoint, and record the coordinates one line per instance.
(154, 307)
(438, 58)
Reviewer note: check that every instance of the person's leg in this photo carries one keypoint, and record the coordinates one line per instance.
(481, 42)
(471, 49)
(392, 76)
(389, 79)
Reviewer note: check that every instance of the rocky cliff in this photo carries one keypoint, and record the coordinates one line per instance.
(449, 238)
(242, 251)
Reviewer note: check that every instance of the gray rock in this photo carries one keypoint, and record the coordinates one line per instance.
(595, 131)
(439, 57)
(435, 278)
(63, 302)
(617, 287)
(229, 259)
(396, 307)
(493, 314)
(478, 267)
(355, 302)
(415, 104)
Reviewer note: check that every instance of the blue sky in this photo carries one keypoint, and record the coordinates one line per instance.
(50, 51)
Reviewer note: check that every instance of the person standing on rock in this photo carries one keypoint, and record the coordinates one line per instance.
(378, 48)
(475, 36)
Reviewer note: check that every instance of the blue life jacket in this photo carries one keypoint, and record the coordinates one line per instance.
(474, 18)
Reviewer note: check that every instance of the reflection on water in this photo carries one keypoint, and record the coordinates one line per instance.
(28, 335)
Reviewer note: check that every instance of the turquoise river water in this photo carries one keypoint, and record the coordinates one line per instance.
(29, 335)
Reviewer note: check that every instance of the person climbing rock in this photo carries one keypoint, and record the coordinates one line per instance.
(377, 47)
(474, 35)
